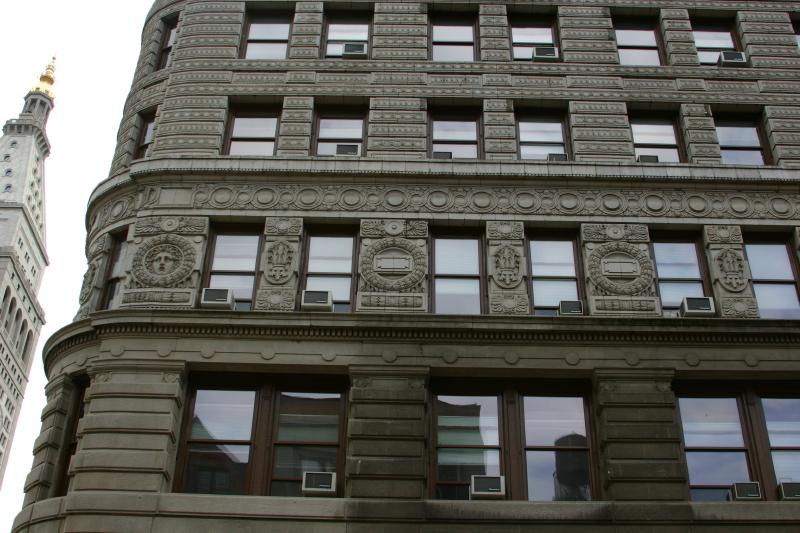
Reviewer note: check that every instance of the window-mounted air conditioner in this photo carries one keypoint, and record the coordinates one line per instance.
(355, 50)
(487, 488)
(570, 308)
(647, 159)
(319, 483)
(729, 58)
(745, 491)
(316, 301)
(545, 53)
(346, 149)
(693, 306)
(556, 157)
(443, 155)
(789, 490)
(217, 299)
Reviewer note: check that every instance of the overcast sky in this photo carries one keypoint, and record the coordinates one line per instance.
(97, 44)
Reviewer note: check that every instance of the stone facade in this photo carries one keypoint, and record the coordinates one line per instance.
(113, 452)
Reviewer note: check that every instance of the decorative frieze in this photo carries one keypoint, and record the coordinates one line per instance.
(729, 272)
(280, 257)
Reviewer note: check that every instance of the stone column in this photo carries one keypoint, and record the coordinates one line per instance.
(638, 435)
(507, 268)
(499, 129)
(400, 31)
(699, 134)
(782, 125)
(393, 266)
(494, 42)
(601, 131)
(98, 254)
(620, 275)
(306, 31)
(295, 131)
(387, 433)
(165, 262)
(676, 33)
(768, 39)
(587, 35)
(398, 128)
(277, 285)
(729, 272)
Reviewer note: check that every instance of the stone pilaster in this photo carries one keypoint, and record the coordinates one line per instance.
(400, 31)
(676, 34)
(393, 266)
(222, 45)
(297, 117)
(637, 425)
(782, 125)
(306, 31)
(729, 272)
(387, 433)
(494, 42)
(277, 286)
(768, 39)
(601, 131)
(499, 129)
(164, 262)
(98, 254)
(398, 128)
(620, 275)
(507, 268)
(587, 35)
(699, 134)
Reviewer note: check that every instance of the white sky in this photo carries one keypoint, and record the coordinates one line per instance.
(97, 44)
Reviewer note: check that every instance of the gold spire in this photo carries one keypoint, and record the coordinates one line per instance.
(46, 80)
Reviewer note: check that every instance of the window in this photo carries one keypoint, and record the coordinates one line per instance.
(234, 265)
(711, 38)
(774, 279)
(526, 35)
(253, 134)
(553, 274)
(330, 267)
(453, 40)
(457, 276)
(116, 270)
(678, 273)
(637, 42)
(231, 447)
(740, 435)
(740, 141)
(75, 414)
(267, 37)
(167, 43)
(796, 27)
(352, 30)
(455, 135)
(656, 137)
(540, 136)
(147, 125)
(538, 441)
(340, 134)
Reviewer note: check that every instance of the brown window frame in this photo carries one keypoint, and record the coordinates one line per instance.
(720, 26)
(252, 112)
(147, 125)
(481, 276)
(349, 113)
(794, 261)
(455, 20)
(256, 17)
(119, 241)
(168, 40)
(673, 120)
(543, 20)
(751, 120)
(555, 236)
(680, 238)
(640, 23)
(237, 230)
(330, 231)
(264, 427)
(338, 17)
(524, 115)
(460, 114)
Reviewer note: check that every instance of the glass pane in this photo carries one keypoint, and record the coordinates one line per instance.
(708, 57)
(286, 488)
(553, 258)
(266, 51)
(149, 128)
(451, 52)
(561, 475)
(334, 49)
(769, 261)
(673, 292)
(457, 256)
(783, 421)
(523, 52)
(543, 130)
(459, 464)
(256, 148)
(711, 422)
(453, 34)
(738, 136)
(216, 469)
(223, 414)
(339, 286)
(713, 39)
(348, 32)
(787, 466)
(777, 300)
(541, 35)
(540, 151)
(639, 56)
(458, 151)
(235, 252)
(653, 132)
(665, 155)
(676, 260)
(308, 417)
(331, 254)
(742, 157)
(349, 148)
(467, 420)
(554, 421)
(341, 128)
(255, 127)
(269, 31)
(455, 130)
(458, 297)
(548, 293)
(642, 38)
(452, 492)
(710, 495)
(292, 461)
(242, 285)
(717, 468)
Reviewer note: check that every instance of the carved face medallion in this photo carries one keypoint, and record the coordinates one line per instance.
(163, 261)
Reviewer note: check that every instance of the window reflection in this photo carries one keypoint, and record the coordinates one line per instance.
(453, 42)
(330, 268)
(234, 266)
(268, 38)
(678, 273)
(773, 281)
(526, 36)
(553, 275)
(540, 137)
(457, 286)
(458, 138)
(637, 43)
(740, 142)
(253, 135)
(711, 38)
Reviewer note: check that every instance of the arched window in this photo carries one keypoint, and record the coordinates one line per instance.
(8, 172)
(23, 328)
(28, 346)
(12, 308)
(6, 301)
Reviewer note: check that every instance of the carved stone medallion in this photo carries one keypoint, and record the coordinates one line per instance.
(393, 264)
(279, 263)
(508, 267)
(88, 283)
(620, 268)
(163, 261)
(730, 264)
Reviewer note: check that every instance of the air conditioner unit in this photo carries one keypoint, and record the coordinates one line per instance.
(316, 301)
(790, 491)
(319, 483)
(697, 307)
(745, 491)
(443, 155)
(545, 53)
(728, 58)
(570, 308)
(217, 299)
(355, 50)
(647, 159)
(487, 488)
(556, 157)
(346, 149)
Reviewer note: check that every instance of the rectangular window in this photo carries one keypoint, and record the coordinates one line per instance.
(252, 133)
(637, 42)
(457, 276)
(347, 36)
(740, 141)
(711, 38)
(527, 35)
(774, 279)
(796, 27)
(340, 134)
(267, 36)
(116, 270)
(147, 126)
(553, 274)
(330, 266)
(234, 265)
(678, 273)
(75, 414)
(540, 136)
(455, 135)
(656, 137)
(168, 43)
(453, 39)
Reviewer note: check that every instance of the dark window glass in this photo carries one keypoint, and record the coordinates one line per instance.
(330, 268)
(740, 142)
(453, 41)
(253, 134)
(782, 417)
(652, 136)
(168, 43)
(525, 36)
(678, 273)
(268, 37)
(338, 136)
(147, 126)
(553, 274)
(77, 410)
(774, 281)
(345, 30)
(459, 138)
(234, 266)
(540, 137)
(116, 270)
(796, 26)
(457, 279)
(711, 38)
(637, 42)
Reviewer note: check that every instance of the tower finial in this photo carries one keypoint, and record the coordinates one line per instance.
(46, 80)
